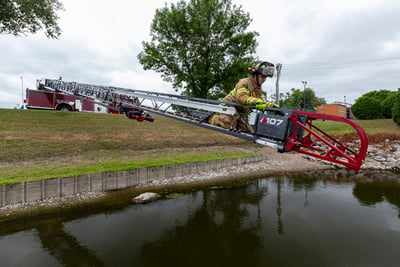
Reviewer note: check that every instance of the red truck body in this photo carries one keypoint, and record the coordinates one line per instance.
(41, 99)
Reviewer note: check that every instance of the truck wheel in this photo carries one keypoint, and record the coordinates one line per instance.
(64, 108)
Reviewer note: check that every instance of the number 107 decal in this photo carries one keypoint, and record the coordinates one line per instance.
(272, 121)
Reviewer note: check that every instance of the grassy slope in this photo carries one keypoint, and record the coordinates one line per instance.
(37, 144)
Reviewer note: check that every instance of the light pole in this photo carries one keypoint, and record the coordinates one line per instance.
(304, 94)
(278, 74)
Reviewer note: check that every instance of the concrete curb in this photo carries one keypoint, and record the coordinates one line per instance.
(27, 192)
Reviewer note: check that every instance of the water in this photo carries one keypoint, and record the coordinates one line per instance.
(266, 222)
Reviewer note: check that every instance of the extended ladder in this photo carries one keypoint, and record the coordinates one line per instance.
(286, 130)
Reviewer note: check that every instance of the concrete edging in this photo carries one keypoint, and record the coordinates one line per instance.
(27, 192)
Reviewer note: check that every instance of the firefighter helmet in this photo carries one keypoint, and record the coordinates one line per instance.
(264, 68)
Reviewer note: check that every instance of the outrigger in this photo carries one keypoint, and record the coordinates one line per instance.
(286, 130)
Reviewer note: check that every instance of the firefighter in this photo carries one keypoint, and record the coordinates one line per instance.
(247, 91)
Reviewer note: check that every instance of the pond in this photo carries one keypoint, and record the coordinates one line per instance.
(275, 221)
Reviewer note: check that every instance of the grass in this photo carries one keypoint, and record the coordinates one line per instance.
(37, 134)
(38, 144)
(377, 130)
(11, 174)
(370, 126)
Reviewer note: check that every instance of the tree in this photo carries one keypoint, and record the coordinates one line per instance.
(376, 104)
(380, 95)
(387, 105)
(29, 16)
(396, 108)
(201, 46)
(367, 108)
(295, 99)
(385, 97)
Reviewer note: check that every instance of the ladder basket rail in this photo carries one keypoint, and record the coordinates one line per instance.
(317, 143)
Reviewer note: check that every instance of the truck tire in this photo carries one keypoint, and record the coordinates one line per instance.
(64, 107)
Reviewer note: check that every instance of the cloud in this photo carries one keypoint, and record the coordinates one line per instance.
(347, 51)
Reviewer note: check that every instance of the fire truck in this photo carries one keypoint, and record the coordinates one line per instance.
(284, 129)
(45, 98)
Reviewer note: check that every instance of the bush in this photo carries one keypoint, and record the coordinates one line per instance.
(367, 108)
(396, 108)
(387, 106)
(376, 104)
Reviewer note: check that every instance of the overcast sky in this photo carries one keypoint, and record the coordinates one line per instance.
(342, 48)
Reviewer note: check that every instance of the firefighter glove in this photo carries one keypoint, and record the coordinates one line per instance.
(261, 105)
(273, 105)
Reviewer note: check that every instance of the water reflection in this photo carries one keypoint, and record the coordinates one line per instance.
(326, 221)
(220, 232)
(279, 207)
(64, 247)
(370, 194)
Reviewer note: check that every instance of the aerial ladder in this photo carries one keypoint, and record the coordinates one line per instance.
(284, 129)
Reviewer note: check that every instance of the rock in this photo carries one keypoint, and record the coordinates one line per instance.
(382, 154)
(396, 169)
(145, 198)
(380, 158)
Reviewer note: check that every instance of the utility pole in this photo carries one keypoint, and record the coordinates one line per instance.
(22, 91)
(278, 74)
(304, 94)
